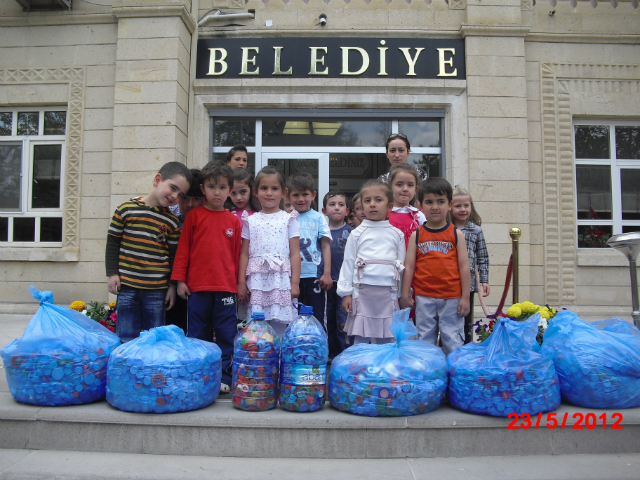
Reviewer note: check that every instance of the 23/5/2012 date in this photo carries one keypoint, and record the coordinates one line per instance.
(578, 421)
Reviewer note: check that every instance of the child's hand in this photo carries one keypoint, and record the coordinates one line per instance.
(325, 282)
(183, 290)
(407, 302)
(114, 284)
(347, 304)
(170, 297)
(486, 290)
(295, 290)
(243, 292)
(463, 307)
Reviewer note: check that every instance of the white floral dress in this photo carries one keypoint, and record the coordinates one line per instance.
(269, 268)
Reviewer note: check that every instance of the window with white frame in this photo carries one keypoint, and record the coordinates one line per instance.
(607, 160)
(32, 150)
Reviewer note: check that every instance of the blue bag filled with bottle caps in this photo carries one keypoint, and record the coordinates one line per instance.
(406, 377)
(598, 363)
(61, 358)
(503, 374)
(303, 370)
(162, 371)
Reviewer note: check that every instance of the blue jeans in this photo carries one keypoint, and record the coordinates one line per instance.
(313, 296)
(214, 310)
(139, 309)
(336, 318)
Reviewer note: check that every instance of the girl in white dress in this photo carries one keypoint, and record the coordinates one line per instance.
(269, 270)
(371, 271)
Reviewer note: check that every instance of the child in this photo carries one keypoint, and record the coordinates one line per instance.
(437, 255)
(270, 257)
(195, 198)
(241, 198)
(141, 244)
(335, 208)
(208, 280)
(370, 274)
(238, 157)
(315, 244)
(357, 209)
(466, 218)
(404, 181)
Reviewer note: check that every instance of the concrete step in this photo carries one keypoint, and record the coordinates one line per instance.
(223, 431)
(65, 465)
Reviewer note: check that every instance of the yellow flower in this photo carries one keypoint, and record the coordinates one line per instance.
(514, 311)
(545, 314)
(527, 307)
(112, 305)
(78, 305)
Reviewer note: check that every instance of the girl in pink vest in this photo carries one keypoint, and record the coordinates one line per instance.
(404, 179)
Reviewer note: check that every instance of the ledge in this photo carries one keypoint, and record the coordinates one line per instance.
(628, 39)
(39, 20)
(177, 10)
(601, 258)
(27, 254)
(477, 30)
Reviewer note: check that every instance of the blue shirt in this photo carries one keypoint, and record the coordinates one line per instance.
(313, 226)
(338, 242)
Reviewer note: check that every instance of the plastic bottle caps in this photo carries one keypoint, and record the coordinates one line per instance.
(255, 366)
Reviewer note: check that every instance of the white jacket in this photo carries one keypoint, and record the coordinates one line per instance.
(372, 241)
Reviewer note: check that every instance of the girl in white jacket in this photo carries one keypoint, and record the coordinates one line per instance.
(372, 268)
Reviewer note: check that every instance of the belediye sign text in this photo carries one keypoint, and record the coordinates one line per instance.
(330, 58)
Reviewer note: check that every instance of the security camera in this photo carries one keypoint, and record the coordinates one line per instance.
(323, 19)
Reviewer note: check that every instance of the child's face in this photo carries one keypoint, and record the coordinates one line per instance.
(189, 203)
(397, 151)
(404, 189)
(238, 160)
(217, 191)
(168, 192)
(357, 209)
(301, 200)
(269, 192)
(461, 208)
(352, 220)
(336, 209)
(288, 207)
(435, 208)
(240, 195)
(376, 204)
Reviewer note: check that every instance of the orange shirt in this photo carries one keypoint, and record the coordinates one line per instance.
(437, 274)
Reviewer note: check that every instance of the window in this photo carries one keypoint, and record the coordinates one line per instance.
(32, 147)
(607, 159)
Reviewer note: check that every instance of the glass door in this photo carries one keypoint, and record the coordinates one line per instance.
(316, 164)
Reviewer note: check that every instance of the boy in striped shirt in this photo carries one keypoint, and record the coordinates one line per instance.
(141, 245)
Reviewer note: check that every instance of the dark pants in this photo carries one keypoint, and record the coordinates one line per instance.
(139, 309)
(209, 310)
(178, 314)
(468, 322)
(313, 296)
(336, 318)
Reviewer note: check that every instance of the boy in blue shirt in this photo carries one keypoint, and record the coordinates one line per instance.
(315, 247)
(335, 208)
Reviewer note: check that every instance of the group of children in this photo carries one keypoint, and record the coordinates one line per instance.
(212, 246)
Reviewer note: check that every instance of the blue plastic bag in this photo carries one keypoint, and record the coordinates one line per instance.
(303, 368)
(61, 358)
(256, 362)
(407, 377)
(598, 363)
(503, 374)
(162, 371)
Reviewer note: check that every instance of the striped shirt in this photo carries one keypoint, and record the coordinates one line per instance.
(142, 244)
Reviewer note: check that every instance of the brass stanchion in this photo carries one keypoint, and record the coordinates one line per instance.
(515, 233)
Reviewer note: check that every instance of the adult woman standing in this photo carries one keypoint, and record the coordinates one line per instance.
(397, 150)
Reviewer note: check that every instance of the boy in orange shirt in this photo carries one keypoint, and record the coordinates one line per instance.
(437, 265)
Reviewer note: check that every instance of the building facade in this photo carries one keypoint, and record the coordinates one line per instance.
(533, 107)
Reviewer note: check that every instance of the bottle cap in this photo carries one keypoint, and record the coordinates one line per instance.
(258, 315)
(305, 310)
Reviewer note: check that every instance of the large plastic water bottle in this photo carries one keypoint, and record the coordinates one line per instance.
(255, 366)
(303, 372)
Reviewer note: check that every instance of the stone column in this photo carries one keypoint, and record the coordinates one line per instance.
(498, 136)
(151, 92)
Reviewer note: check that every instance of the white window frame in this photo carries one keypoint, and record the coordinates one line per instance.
(28, 143)
(615, 166)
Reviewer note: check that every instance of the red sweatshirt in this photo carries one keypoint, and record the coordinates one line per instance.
(209, 251)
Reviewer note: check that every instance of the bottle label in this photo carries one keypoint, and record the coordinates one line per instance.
(304, 374)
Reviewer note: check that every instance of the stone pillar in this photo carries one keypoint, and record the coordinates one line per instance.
(151, 92)
(498, 136)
